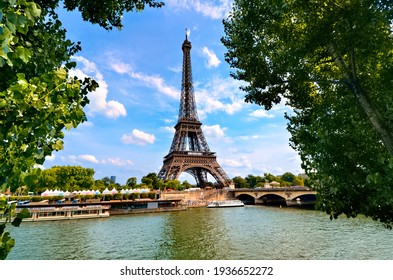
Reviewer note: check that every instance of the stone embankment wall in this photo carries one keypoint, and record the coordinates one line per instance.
(199, 198)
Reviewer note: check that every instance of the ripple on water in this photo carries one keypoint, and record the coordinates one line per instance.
(252, 232)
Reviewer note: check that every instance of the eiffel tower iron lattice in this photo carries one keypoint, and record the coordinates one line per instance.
(189, 151)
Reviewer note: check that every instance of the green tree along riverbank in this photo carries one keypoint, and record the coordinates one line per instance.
(77, 178)
(331, 62)
(38, 98)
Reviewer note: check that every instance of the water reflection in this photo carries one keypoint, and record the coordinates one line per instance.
(251, 232)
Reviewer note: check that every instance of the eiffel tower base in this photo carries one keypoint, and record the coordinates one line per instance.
(198, 164)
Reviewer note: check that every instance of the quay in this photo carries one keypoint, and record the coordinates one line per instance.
(94, 208)
(165, 201)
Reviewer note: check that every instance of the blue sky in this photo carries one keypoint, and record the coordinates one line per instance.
(132, 114)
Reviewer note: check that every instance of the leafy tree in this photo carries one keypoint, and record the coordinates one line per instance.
(151, 180)
(253, 180)
(8, 212)
(288, 177)
(107, 181)
(147, 181)
(173, 184)
(38, 98)
(66, 178)
(270, 177)
(99, 185)
(298, 181)
(131, 182)
(105, 13)
(240, 183)
(332, 63)
(260, 185)
(186, 185)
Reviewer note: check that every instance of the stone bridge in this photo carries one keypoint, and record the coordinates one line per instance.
(287, 195)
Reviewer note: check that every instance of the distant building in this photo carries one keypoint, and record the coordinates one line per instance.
(113, 179)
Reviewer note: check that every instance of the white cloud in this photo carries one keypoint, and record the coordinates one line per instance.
(242, 162)
(220, 95)
(212, 9)
(153, 81)
(79, 158)
(251, 137)
(214, 131)
(169, 120)
(121, 68)
(170, 129)
(98, 98)
(138, 137)
(261, 113)
(50, 158)
(212, 59)
(156, 82)
(89, 158)
(233, 107)
(118, 161)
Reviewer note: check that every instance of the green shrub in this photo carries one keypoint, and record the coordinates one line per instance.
(143, 195)
(36, 198)
(108, 197)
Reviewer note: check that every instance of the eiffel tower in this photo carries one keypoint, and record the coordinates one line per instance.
(189, 151)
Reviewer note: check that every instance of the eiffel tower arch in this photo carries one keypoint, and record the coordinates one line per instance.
(189, 151)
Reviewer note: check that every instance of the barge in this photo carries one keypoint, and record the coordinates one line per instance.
(96, 209)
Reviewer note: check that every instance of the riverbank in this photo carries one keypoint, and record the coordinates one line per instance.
(197, 198)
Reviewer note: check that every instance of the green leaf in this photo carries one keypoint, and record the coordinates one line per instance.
(29, 179)
(58, 145)
(61, 73)
(71, 64)
(34, 10)
(23, 53)
(16, 222)
(2, 227)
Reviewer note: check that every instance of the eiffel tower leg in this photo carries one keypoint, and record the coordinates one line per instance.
(200, 176)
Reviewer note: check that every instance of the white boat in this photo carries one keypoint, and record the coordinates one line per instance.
(55, 213)
(225, 203)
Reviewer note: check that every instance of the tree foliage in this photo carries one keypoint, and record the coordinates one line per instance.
(65, 178)
(252, 181)
(106, 13)
(131, 182)
(38, 98)
(331, 61)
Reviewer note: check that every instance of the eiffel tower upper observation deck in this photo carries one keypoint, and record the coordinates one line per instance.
(189, 151)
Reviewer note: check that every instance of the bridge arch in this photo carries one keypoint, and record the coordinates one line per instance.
(303, 200)
(246, 198)
(271, 199)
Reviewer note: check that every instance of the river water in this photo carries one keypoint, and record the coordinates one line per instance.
(249, 233)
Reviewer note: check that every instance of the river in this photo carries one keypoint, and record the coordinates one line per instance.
(248, 233)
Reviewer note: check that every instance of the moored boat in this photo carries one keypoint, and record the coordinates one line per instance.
(55, 213)
(225, 203)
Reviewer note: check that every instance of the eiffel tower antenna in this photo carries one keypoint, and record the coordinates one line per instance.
(189, 151)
